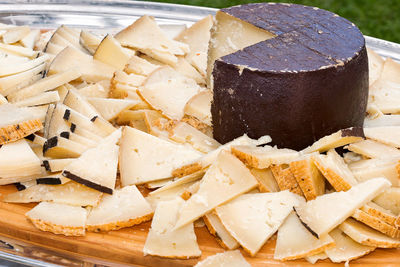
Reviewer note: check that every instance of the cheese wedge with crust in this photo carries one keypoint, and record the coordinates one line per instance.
(365, 235)
(285, 179)
(145, 36)
(377, 224)
(89, 41)
(18, 160)
(17, 122)
(164, 239)
(110, 52)
(253, 218)
(59, 147)
(199, 106)
(338, 139)
(180, 181)
(110, 108)
(373, 149)
(294, 241)
(124, 208)
(263, 157)
(217, 229)
(346, 249)
(266, 180)
(335, 170)
(58, 218)
(96, 167)
(381, 213)
(387, 135)
(70, 193)
(307, 175)
(225, 259)
(145, 158)
(168, 91)
(226, 179)
(324, 213)
(390, 200)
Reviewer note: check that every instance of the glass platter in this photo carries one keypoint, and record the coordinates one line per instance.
(103, 16)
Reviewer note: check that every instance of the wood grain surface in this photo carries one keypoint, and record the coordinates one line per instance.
(125, 246)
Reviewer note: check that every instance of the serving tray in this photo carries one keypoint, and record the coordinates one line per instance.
(21, 242)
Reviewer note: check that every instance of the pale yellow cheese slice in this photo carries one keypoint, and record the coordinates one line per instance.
(253, 218)
(89, 41)
(266, 180)
(124, 208)
(384, 95)
(15, 68)
(373, 149)
(370, 168)
(365, 235)
(389, 199)
(179, 181)
(375, 65)
(226, 178)
(95, 90)
(199, 106)
(314, 258)
(382, 121)
(40, 99)
(389, 135)
(346, 248)
(225, 259)
(295, 241)
(263, 157)
(390, 71)
(109, 108)
(96, 167)
(139, 66)
(324, 213)
(164, 239)
(145, 158)
(59, 218)
(217, 229)
(3, 100)
(70, 193)
(184, 68)
(14, 34)
(168, 91)
(110, 52)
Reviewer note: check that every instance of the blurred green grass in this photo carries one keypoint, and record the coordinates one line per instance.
(376, 18)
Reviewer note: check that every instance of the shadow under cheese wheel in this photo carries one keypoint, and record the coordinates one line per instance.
(294, 72)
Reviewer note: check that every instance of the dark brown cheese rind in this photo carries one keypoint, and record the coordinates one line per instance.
(87, 183)
(353, 131)
(308, 82)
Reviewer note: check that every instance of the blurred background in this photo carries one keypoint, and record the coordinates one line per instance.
(377, 18)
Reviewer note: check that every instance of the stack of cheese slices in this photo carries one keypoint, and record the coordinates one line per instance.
(109, 132)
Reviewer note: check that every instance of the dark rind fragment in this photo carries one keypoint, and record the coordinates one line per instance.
(73, 127)
(353, 131)
(20, 186)
(87, 183)
(46, 165)
(30, 137)
(65, 135)
(93, 119)
(49, 180)
(67, 114)
(52, 142)
(305, 225)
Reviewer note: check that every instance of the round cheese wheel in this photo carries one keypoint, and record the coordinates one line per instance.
(293, 72)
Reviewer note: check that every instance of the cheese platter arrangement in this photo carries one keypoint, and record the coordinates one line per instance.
(163, 135)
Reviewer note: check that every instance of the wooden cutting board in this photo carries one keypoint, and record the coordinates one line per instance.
(125, 245)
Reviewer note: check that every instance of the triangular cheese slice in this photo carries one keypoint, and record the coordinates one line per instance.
(226, 179)
(110, 108)
(384, 95)
(16, 123)
(96, 167)
(217, 229)
(180, 181)
(390, 200)
(166, 241)
(95, 90)
(58, 218)
(168, 91)
(139, 66)
(338, 139)
(266, 180)
(156, 44)
(124, 208)
(324, 213)
(365, 235)
(376, 223)
(285, 179)
(373, 149)
(346, 248)
(199, 106)
(310, 180)
(387, 135)
(295, 241)
(184, 68)
(70, 193)
(335, 170)
(18, 160)
(226, 259)
(377, 211)
(59, 147)
(263, 157)
(110, 52)
(375, 65)
(370, 168)
(197, 37)
(146, 158)
(253, 218)
(56, 165)
(40, 99)
(89, 41)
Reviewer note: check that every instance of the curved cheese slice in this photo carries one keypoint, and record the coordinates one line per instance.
(217, 229)
(226, 259)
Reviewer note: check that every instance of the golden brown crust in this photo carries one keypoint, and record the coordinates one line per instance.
(214, 233)
(201, 126)
(386, 217)
(114, 91)
(11, 133)
(118, 225)
(376, 224)
(186, 195)
(246, 158)
(187, 169)
(57, 229)
(334, 179)
(285, 179)
(306, 178)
